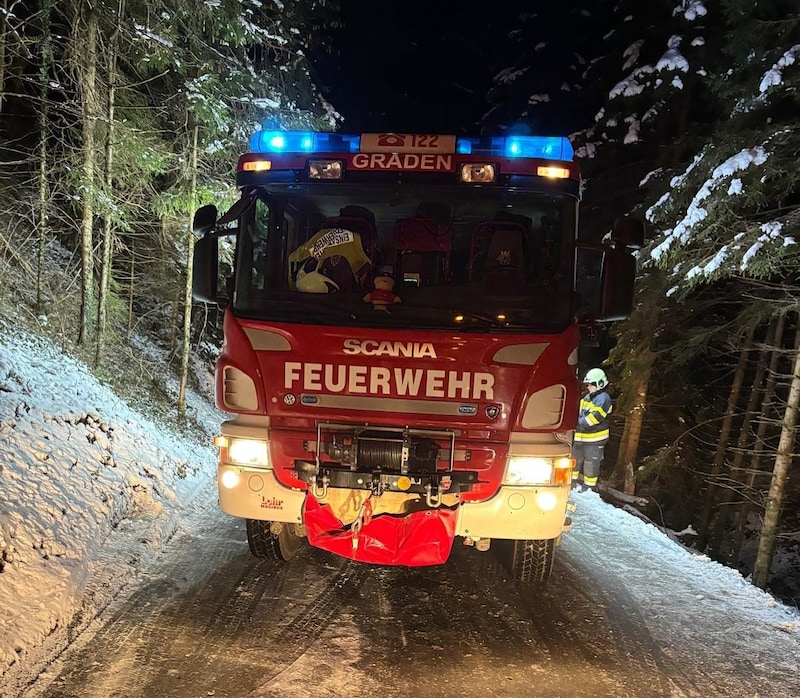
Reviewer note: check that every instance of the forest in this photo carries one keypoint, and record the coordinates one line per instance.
(118, 118)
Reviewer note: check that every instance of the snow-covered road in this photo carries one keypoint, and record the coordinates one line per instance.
(105, 511)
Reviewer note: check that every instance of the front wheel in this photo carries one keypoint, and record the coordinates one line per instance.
(265, 542)
(529, 561)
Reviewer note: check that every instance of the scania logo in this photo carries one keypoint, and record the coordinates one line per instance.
(373, 347)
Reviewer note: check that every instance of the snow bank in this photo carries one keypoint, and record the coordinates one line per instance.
(76, 464)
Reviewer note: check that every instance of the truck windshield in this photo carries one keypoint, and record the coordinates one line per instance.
(401, 255)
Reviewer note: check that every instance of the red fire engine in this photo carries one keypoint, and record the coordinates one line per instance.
(401, 342)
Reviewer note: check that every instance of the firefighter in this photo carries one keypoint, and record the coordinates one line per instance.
(591, 433)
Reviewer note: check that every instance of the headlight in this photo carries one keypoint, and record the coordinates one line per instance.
(248, 452)
(529, 470)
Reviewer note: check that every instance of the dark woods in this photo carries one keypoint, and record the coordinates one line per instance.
(119, 118)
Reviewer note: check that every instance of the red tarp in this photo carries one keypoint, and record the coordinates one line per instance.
(415, 540)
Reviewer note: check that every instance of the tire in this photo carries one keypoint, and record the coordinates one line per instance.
(272, 546)
(530, 561)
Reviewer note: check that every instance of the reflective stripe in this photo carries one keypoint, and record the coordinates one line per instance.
(589, 481)
(590, 407)
(591, 437)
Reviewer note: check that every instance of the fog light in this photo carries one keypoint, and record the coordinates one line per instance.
(229, 479)
(546, 500)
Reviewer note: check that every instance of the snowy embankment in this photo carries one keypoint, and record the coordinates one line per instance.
(89, 489)
(703, 611)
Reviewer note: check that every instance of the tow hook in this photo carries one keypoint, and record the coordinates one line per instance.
(320, 491)
(434, 501)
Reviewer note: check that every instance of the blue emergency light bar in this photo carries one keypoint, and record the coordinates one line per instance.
(542, 147)
(263, 141)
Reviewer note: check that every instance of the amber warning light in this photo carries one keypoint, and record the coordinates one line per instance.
(257, 166)
(553, 172)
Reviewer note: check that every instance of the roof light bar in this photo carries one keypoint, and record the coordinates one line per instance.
(271, 141)
(542, 147)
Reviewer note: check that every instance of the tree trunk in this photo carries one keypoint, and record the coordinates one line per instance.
(712, 493)
(626, 460)
(619, 478)
(108, 186)
(131, 286)
(780, 473)
(187, 298)
(737, 471)
(754, 467)
(87, 72)
(3, 49)
(43, 205)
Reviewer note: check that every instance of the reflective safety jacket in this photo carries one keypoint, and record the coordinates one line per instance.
(593, 417)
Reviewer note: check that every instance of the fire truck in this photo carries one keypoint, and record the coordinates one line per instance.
(402, 318)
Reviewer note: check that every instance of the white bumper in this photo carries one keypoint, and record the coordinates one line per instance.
(516, 513)
(258, 495)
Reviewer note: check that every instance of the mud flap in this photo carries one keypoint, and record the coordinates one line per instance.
(415, 540)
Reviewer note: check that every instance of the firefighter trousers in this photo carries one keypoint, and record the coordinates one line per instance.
(588, 456)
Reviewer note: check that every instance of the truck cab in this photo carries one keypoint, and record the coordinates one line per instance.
(401, 333)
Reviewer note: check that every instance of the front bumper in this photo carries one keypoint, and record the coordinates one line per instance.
(516, 513)
(257, 494)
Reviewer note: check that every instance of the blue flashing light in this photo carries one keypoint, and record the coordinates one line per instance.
(271, 141)
(542, 147)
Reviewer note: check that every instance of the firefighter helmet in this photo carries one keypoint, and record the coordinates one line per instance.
(596, 376)
(314, 282)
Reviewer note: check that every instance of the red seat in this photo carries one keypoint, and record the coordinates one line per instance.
(498, 253)
(422, 247)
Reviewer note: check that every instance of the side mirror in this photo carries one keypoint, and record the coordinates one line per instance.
(605, 274)
(205, 267)
(205, 218)
(617, 280)
(627, 232)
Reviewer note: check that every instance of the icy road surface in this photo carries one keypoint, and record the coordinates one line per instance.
(627, 613)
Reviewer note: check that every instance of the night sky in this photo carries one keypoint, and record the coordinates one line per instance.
(417, 65)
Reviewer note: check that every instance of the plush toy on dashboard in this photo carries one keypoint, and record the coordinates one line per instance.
(382, 294)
